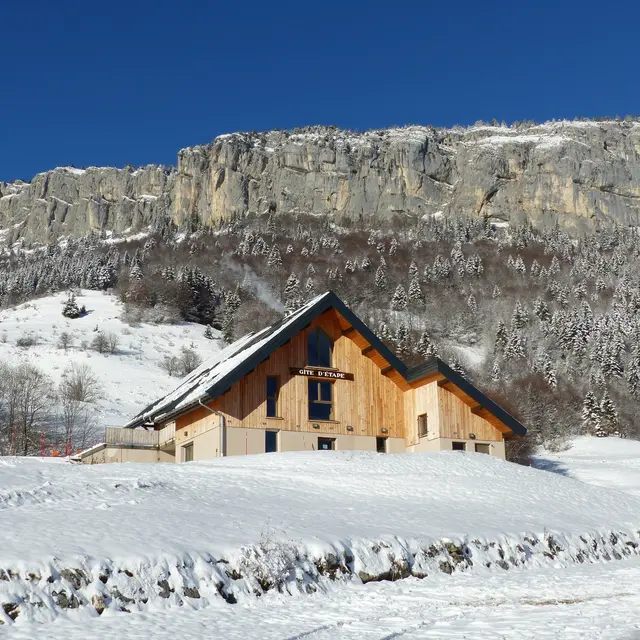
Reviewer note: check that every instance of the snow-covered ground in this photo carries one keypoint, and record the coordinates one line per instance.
(605, 462)
(230, 526)
(130, 378)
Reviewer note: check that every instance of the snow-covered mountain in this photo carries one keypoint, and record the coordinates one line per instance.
(129, 378)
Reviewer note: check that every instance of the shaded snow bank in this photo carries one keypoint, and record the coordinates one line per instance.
(605, 462)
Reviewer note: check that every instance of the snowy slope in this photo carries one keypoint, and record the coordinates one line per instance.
(318, 498)
(605, 462)
(159, 539)
(130, 378)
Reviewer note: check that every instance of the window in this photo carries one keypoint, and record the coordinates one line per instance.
(187, 453)
(482, 448)
(270, 441)
(273, 390)
(381, 445)
(458, 446)
(422, 425)
(319, 349)
(320, 400)
(326, 444)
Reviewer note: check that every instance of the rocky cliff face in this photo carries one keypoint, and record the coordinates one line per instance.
(576, 173)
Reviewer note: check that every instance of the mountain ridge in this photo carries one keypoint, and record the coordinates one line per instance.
(579, 174)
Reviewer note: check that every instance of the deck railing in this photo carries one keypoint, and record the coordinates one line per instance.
(140, 437)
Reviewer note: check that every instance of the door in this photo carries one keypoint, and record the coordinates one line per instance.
(326, 444)
(187, 453)
(270, 441)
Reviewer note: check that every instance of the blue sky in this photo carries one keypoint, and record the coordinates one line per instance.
(132, 81)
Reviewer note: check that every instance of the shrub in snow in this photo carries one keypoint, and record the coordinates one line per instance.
(105, 342)
(27, 341)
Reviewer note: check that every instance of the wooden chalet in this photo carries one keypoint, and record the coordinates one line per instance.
(318, 379)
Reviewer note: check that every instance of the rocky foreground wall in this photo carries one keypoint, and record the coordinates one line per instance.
(89, 586)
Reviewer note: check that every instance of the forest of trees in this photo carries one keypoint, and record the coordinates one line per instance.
(545, 322)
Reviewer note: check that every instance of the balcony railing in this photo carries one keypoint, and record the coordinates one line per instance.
(140, 437)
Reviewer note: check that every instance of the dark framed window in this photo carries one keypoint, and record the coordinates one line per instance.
(381, 445)
(273, 391)
(326, 444)
(482, 448)
(422, 425)
(458, 446)
(187, 453)
(319, 349)
(320, 400)
(270, 441)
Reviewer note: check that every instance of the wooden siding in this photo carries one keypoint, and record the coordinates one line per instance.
(378, 397)
(457, 420)
(368, 404)
(424, 399)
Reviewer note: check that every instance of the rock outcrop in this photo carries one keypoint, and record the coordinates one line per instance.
(578, 174)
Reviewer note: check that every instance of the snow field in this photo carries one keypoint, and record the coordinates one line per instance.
(130, 378)
(78, 539)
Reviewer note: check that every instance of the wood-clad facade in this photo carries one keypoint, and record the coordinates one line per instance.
(323, 380)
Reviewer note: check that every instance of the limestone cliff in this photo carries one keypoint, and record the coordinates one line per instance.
(575, 173)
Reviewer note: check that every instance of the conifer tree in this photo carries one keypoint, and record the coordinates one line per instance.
(208, 332)
(496, 293)
(393, 247)
(310, 287)
(381, 275)
(549, 372)
(425, 346)
(292, 294)
(472, 304)
(399, 300)
(70, 308)
(633, 372)
(609, 416)
(384, 332)
(495, 371)
(501, 339)
(590, 413)
(516, 347)
(415, 291)
(413, 270)
(274, 261)
(403, 347)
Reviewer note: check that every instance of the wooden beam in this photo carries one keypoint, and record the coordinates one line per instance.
(348, 330)
(479, 410)
(445, 384)
(386, 370)
(366, 350)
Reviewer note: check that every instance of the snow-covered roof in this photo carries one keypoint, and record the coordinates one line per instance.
(199, 382)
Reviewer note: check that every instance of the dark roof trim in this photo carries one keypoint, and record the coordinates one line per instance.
(435, 365)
